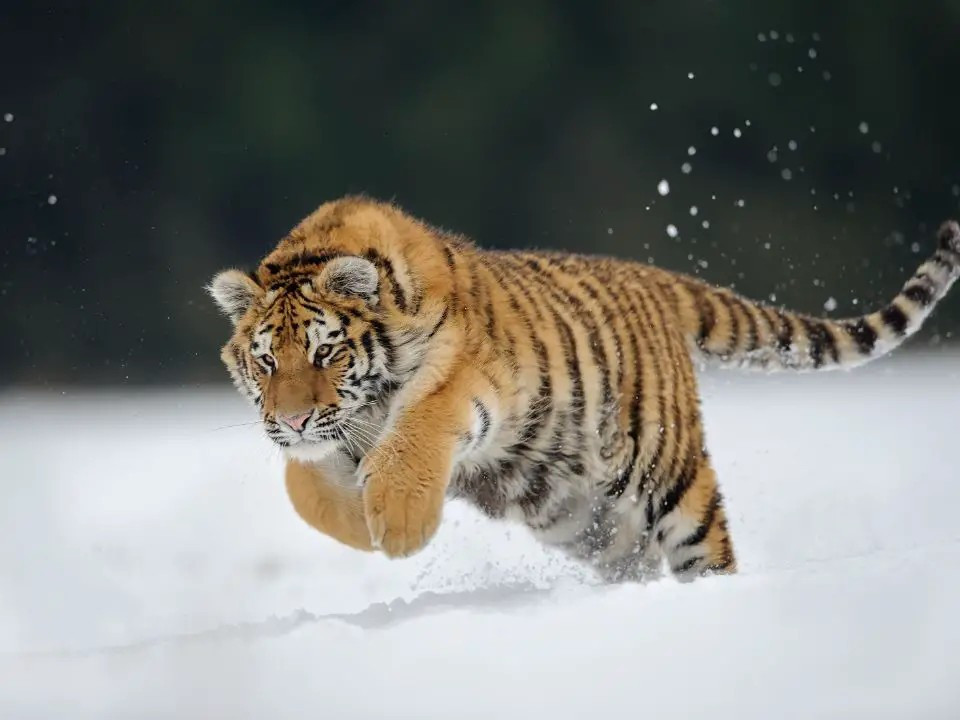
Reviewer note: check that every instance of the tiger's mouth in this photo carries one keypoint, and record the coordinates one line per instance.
(307, 427)
(344, 432)
(341, 426)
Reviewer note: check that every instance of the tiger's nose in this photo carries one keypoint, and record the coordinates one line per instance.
(297, 422)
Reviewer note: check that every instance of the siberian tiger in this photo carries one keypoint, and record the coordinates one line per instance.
(398, 365)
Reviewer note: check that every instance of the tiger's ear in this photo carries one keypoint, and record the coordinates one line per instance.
(352, 276)
(234, 292)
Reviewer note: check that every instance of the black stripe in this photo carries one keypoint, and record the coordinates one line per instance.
(474, 288)
(568, 434)
(675, 494)
(770, 322)
(708, 318)
(767, 321)
(455, 285)
(895, 319)
(484, 418)
(451, 263)
(622, 481)
(821, 341)
(569, 346)
(677, 422)
(785, 336)
(752, 332)
(510, 346)
(514, 268)
(727, 559)
(710, 514)
(241, 362)
(367, 341)
(598, 350)
(384, 263)
(863, 334)
(610, 322)
(686, 565)
(734, 339)
(919, 293)
(542, 403)
(380, 329)
(312, 307)
(488, 308)
(296, 265)
(440, 322)
(644, 321)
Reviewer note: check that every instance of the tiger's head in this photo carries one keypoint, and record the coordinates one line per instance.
(311, 352)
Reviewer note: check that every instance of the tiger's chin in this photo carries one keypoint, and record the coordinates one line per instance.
(311, 451)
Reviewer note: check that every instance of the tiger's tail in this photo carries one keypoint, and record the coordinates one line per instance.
(725, 327)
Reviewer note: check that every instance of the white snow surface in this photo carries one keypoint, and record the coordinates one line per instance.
(151, 566)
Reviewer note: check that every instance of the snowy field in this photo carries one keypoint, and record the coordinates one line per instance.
(150, 566)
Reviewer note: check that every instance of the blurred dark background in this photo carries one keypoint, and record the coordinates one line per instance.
(147, 145)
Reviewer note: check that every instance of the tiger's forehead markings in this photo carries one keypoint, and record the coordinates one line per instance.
(291, 316)
(325, 328)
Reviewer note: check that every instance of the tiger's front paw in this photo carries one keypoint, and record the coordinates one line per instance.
(402, 512)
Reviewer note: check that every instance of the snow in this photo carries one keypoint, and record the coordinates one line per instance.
(151, 567)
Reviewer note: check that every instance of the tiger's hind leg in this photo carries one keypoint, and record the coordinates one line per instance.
(693, 535)
(641, 563)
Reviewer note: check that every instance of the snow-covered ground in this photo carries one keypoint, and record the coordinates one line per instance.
(150, 566)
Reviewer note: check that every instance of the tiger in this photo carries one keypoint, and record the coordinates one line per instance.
(398, 365)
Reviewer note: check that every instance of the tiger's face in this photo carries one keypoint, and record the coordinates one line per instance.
(310, 353)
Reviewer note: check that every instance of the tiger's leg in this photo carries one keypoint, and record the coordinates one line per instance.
(618, 545)
(405, 477)
(333, 508)
(693, 535)
(642, 563)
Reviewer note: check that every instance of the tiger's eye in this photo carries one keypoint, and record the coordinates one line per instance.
(268, 361)
(320, 354)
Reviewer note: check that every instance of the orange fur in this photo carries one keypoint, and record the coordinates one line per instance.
(555, 389)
